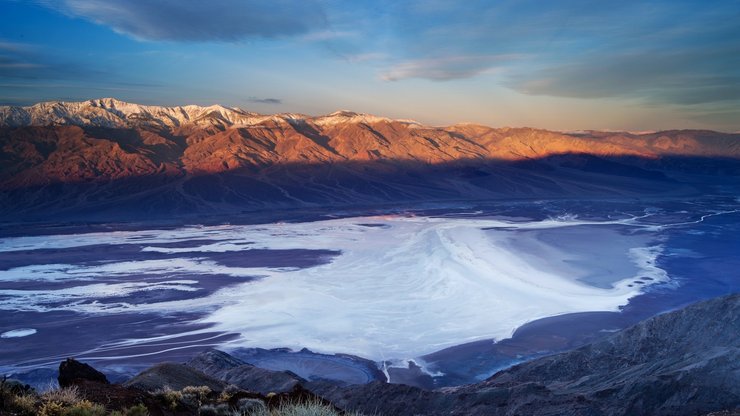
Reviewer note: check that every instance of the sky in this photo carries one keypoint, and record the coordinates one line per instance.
(562, 65)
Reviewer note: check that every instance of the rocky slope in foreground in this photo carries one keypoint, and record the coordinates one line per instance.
(107, 157)
(685, 362)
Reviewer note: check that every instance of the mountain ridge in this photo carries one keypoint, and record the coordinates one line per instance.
(39, 115)
(111, 112)
(216, 158)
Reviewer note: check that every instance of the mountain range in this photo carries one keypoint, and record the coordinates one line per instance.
(112, 159)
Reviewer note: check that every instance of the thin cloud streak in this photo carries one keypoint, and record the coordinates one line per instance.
(680, 55)
(624, 62)
(265, 100)
(214, 20)
(693, 76)
(446, 68)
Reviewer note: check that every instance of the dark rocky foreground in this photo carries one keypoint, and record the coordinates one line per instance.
(685, 362)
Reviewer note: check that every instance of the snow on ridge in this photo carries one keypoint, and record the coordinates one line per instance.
(344, 116)
(110, 112)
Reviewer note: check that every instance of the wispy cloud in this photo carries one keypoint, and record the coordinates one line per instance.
(445, 68)
(366, 57)
(691, 76)
(326, 35)
(9, 63)
(675, 52)
(15, 47)
(16, 60)
(24, 61)
(678, 57)
(265, 100)
(213, 20)
(723, 118)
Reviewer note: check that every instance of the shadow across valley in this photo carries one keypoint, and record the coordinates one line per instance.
(174, 193)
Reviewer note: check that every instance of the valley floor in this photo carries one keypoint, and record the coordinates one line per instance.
(418, 294)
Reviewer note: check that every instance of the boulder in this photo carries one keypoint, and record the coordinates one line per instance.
(72, 372)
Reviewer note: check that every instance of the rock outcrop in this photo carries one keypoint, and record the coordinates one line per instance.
(72, 371)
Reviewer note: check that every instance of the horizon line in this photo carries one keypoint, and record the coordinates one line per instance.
(639, 132)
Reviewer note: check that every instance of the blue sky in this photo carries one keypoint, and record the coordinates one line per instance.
(571, 64)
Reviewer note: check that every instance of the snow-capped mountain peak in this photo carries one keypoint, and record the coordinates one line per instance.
(344, 116)
(113, 113)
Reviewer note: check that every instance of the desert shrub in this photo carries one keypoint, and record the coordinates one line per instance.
(224, 397)
(138, 410)
(195, 394)
(16, 398)
(215, 410)
(306, 409)
(84, 408)
(171, 398)
(66, 395)
(51, 409)
(314, 408)
(23, 405)
(248, 406)
(228, 393)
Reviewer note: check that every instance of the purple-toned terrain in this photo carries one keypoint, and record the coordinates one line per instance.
(415, 296)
